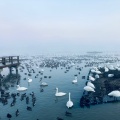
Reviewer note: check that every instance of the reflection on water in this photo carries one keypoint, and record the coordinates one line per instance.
(9, 80)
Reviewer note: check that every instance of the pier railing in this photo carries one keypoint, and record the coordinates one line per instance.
(9, 61)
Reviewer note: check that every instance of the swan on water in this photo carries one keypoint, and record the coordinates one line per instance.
(72, 64)
(43, 84)
(21, 88)
(91, 85)
(59, 93)
(42, 70)
(69, 103)
(29, 80)
(75, 80)
(88, 88)
(114, 93)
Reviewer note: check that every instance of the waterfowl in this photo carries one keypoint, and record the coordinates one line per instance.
(43, 84)
(21, 88)
(110, 75)
(17, 112)
(74, 81)
(114, 93)
(106, 69)
(29, 80)
(98, 72)
(9, 116)
(42, 70)
(69, 103)
(88, 88)
(29, 108)
(90, 84)
(97, 76)
(59, 93)
(91, 78)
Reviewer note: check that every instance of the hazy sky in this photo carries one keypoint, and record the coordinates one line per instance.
(36, 26)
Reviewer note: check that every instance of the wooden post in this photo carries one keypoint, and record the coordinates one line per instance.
(10, 68)
(18, 59)
(3, 61)
(9, 59)
(16, 70)
(12, 60)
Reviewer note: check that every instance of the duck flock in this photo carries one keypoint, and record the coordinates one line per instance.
(97, 89)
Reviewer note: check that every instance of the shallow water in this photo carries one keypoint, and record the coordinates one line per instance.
(48, 107)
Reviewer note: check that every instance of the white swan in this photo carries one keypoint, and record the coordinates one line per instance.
(117, 68)
(111, 67)
(69, 103)
(43, 84)
(91, 78)
(93, 71)
(110, 75)
(97, 76)
(74, 81)
(29, 80)
(106, 69)
(88, 88)
(59, 93)
(72, 64)
(114, 93)
(91, 85)
(98, 72)
(21, 88)
(42, 70)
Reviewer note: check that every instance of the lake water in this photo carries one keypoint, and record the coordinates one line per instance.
(48, 107)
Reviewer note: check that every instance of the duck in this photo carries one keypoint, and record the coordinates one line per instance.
(21, 88)
(29, 108)
(29, 80)
(69, 103)
(74, 81)
(59, 93)
(17, 112)
(9, 116)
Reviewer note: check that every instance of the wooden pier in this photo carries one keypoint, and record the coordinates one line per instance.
(10, 62)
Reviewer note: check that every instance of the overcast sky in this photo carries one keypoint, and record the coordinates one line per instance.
(37, 26)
